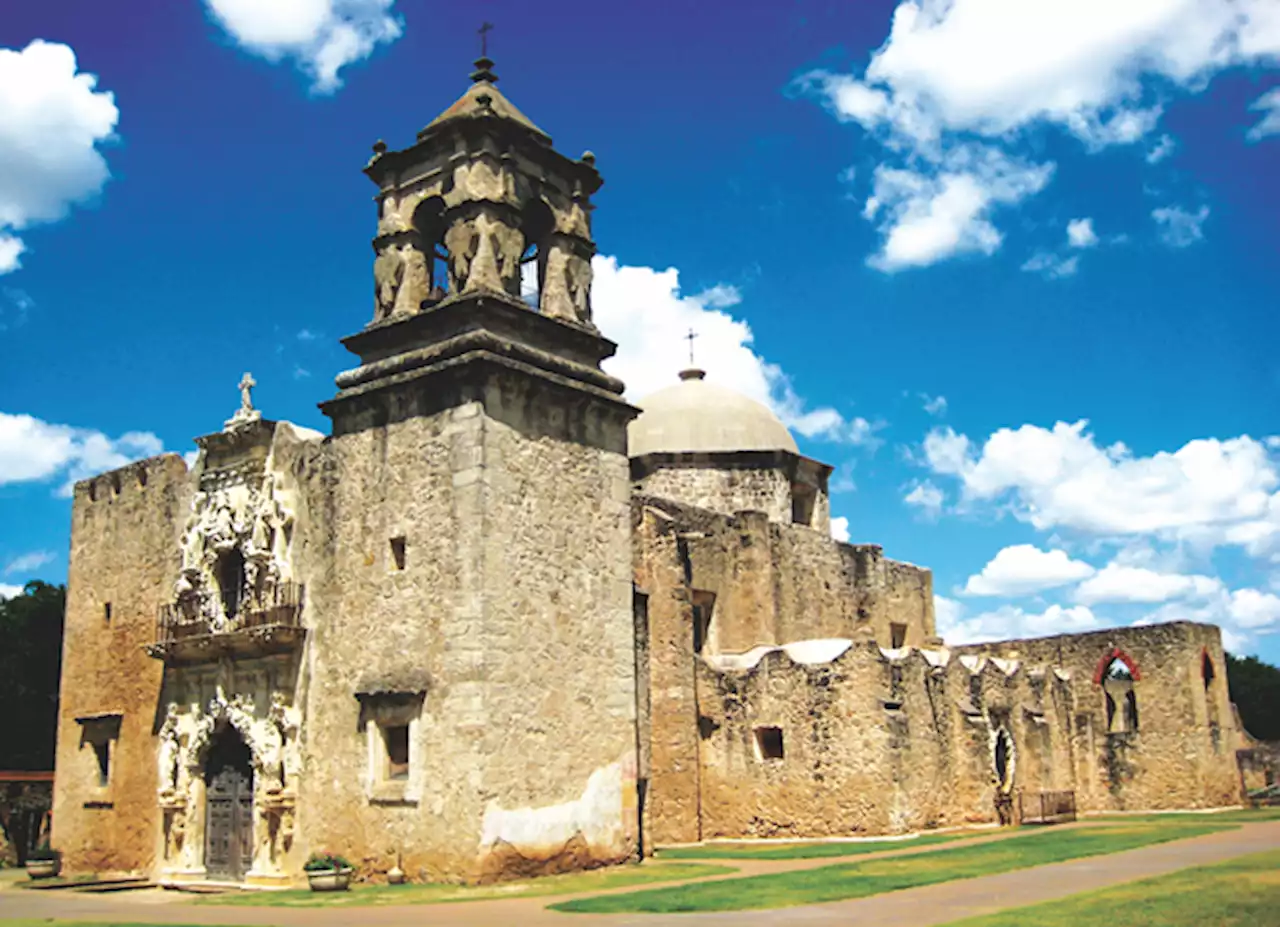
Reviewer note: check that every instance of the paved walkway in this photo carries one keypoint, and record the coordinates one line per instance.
(918, 907)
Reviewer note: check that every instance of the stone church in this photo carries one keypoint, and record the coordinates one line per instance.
(502, 622)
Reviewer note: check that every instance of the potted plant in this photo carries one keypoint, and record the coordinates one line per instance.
(328, 872)
(44, 862)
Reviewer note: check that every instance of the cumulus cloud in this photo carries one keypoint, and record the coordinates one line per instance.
(1023, 569)
(840, 529)
(926, 497)
(1119, 583)
(52, 122)
(644, 311)
(1210, 491)
(1052, 266)
(32, 450)
(25, 563)
(1164, 147)
(320, 36)
(979, 75)
(1269, 105)
(9, 592)
(934, 405)
(1008, 622)
(1179, 228)
(1080, 233)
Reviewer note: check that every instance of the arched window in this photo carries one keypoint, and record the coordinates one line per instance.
(536, 223)
(1206, 670)
(231, 580)
(1004, 760)
(429, 227)
(1118, 694)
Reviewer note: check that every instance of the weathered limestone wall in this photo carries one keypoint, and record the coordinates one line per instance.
(513, 614)
(1183, 753)
(723, 490)
(123, 552)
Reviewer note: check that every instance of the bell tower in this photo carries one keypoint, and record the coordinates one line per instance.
(480, 527)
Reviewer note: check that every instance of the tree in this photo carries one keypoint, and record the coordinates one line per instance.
(1255, 689)
(30, 662)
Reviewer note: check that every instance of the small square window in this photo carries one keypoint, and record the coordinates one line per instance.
(106, 611)
(397, 553)
(396, 739)
(897, 635)
(769, 743)
(102, 752)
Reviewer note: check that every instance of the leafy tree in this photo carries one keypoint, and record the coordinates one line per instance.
(1255, 688)
(30, 660)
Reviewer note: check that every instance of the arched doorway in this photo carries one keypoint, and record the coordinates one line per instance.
(228, 848)
(1003, 760)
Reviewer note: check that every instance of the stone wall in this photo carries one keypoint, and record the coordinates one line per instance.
(1183, 753)
(723, 490)
(512, 616)
(124, 548)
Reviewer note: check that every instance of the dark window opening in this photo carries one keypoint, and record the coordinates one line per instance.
(1206, 671)
(429, 228)
(231, 581)
(704, 604)
(102, 752)
(803, 501)
(1121, 700)
(1130, 711)
(1111, 712)
(769, 743)
(397, 741)
(115, 484)
(142, 476)
(106, 611)
(893, 706)
(1002, 758)
(897, 635)
(397, 552)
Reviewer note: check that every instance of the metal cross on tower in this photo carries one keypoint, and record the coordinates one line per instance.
(689, 337)
(484, 30)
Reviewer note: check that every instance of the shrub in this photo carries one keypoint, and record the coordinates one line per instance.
(43, 854)
(320, 861)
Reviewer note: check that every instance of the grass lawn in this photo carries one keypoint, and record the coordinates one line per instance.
(1242, 892)
(807, 850)
(432, 893)
(1242, 816)
(873, 877)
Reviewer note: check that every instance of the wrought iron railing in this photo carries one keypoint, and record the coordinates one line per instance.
(1046, 807)
(282, 608)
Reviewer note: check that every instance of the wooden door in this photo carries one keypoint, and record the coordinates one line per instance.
(229, 824)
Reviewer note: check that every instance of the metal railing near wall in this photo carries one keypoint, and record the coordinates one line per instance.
(1046, 807)
(283, 608)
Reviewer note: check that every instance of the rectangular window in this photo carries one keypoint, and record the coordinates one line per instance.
(769, 743)
(803, 500)
(704, 604)
(106, 611)
(897, 635)
(396, 739)
(397, 553)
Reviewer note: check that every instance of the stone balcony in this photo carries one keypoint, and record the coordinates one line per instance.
(258, 629)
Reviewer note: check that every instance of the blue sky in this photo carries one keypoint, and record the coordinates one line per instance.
(1011, 267)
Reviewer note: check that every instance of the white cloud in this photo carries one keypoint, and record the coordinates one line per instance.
(26, 563)
(928, 215)
(321, 36)
(190, 458)
(1209, 492)
(1269, 105)
(1164, 147)
(306, 334)
(1119, 583)
(957, 75)
(1051, 265)
(840, 529)
(927, 497)
(643, 310)
(934, 405)
(1080, 233)
(51, 124)
(1253, 609)
(35, 451)
(9, 592)
(1009, 622)
(15, 306)
(1179, 228)
(1023, 569)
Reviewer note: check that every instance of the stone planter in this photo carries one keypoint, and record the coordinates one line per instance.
(43, 868)
(329, 880)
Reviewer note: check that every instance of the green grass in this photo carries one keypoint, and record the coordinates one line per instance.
(1241, 816)
(806, 850)
(432, 893)
(1242, 892)
(873, 877)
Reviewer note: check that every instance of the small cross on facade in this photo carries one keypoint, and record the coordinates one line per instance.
(689, 337)
(484, 30)
(247, 383)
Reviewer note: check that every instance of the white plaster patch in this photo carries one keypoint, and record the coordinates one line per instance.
(822, 650)
(895, 654)
(1064, 675)
(1008, 667)
(937, 657)
(972, 662)
(597, 815)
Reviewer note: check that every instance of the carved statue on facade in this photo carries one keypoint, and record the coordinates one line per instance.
(388, 275)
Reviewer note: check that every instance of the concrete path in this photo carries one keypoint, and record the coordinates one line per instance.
(918, 907)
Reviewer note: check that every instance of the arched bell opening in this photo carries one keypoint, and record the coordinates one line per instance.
(428, 224)
(1004, 761)
(230, 577)
(537, 223)
(1120, 700)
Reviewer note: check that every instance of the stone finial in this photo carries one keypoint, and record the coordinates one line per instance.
(246, 414)
(379, 147)
(588, 158)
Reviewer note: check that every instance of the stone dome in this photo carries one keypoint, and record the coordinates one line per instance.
(694, 415)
